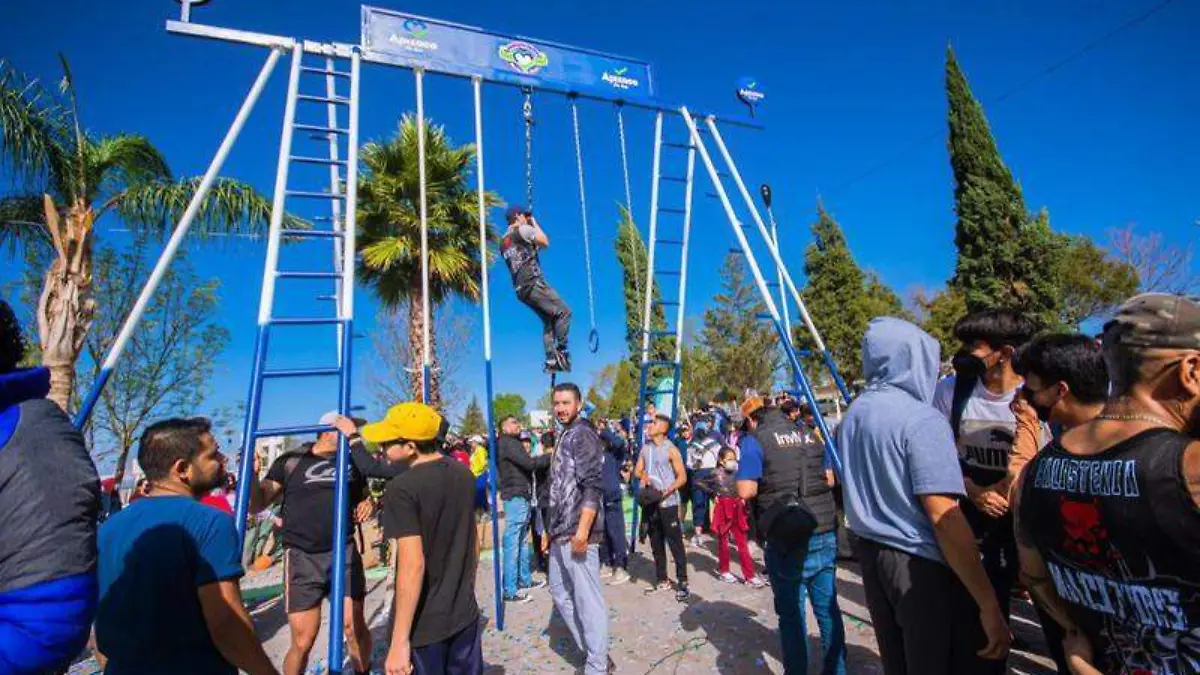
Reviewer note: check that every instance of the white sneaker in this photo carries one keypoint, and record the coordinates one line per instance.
(728, 578)
(619, 577)
(755, 582)
(696, 541)
(607, 572)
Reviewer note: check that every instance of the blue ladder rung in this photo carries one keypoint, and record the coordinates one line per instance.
(674, 179)
(306, 321)
(321, 130)
(669, 273)
(308, 194)
(313, 234)
(659, 333)
(712, 195)
(682, 146)
(292, 431)
(666, 303)
(323, 71)
(300, 372)
(659, 363)
(325, 298)
(664, 209)
(804, 353)
(771, 284)
(737, 251)
(674, 242)
(658, 391)
(336, 100)
(308, 275)
(764, 316)
(317, 160)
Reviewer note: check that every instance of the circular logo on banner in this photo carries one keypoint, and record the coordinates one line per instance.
(523, 57)
(749, 91)
(415, 28)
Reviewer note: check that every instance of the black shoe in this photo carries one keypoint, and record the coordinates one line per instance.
(551, 365)
(682, 593)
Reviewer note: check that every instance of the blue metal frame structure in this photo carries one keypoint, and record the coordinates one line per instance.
(584, 75)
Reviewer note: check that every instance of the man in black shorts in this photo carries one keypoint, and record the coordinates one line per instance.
(305, 483)
(519, 247)
(428, 511)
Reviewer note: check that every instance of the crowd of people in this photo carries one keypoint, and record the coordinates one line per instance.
(1060, 467)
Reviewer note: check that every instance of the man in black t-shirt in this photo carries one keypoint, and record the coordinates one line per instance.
(305, 482)
(519, 248)
(429, 511)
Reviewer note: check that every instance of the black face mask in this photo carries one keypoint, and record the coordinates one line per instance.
(1043, 411)
(968, 365)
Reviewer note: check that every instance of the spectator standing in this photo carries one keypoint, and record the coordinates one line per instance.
(702, 453)
(614, 551)
(169, 567)
(782, 471)
(730, 519)
(516, 470)
(50, 498)
(576, 525)
(660, 466)
(1109, 513)
(428, 513)
(541, 505)
(932, 606)
(977, 400)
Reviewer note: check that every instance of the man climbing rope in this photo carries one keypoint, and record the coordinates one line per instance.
(520, 250)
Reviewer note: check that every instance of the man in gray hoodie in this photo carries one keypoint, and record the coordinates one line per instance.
(931, 604)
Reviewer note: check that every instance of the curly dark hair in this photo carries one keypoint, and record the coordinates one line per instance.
(12, 345)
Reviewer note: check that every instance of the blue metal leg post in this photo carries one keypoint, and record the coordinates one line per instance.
(341, 499)
(246, 473)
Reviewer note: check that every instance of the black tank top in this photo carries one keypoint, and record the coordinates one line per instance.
(793, 465)
(1121, 537)
(521, 258)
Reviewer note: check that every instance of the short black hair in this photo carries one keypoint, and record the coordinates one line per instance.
(506, 418)
(12, 344)
(571, 387)
(1067, 357)
(664, 418)
(548, 439)
(166, 442)
(997, 327)
(789, 406)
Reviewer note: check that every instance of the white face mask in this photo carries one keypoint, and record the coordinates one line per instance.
(731, 465)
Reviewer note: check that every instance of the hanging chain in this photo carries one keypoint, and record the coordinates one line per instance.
(527, 110)
(637, 269)
(587, 249)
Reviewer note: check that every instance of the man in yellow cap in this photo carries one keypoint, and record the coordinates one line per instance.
(428, 511)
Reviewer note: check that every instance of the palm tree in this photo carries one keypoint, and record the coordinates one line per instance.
(389, 221)
(67, 179)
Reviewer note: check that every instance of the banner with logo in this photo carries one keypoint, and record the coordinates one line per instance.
(406, 40)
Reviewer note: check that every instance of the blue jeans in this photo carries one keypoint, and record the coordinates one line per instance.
(518, 560)
(808, 574)
(700, 499)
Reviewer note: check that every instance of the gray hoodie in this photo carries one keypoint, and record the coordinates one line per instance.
(893, 444)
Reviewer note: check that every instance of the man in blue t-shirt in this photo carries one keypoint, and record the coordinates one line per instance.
(169, 567)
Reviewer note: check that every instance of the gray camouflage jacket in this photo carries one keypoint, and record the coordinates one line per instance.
(576, 481)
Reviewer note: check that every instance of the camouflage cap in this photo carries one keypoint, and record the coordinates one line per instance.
(1156, 320)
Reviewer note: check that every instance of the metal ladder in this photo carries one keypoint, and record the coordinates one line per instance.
(678, 219)
(341, 198)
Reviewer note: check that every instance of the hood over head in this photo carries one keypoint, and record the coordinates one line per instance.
(896, 353)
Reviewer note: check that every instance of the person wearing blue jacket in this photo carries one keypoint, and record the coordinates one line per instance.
(614, 551)
(50, 498)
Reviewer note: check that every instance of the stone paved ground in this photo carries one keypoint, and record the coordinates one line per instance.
(723, 628)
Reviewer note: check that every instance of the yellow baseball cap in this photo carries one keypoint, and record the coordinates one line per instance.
(409, 421)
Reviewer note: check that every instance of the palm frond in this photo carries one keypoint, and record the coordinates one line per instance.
(116, 162)
(230, 207)
(22, 223)
(33, 126)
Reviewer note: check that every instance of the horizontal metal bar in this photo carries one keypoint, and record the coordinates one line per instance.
(658, 333)
(320, 129)
(681, 146)
(659, 391)
(314, 195)
(324, 71)
(673, 242)
(666, 209)
(667, 303)
(336, 100)
(328, 298)
(313, 234)
(308, 275)
(658, 363)
(674, 179)
(670, 273)
(764, 316)
(300, 372)
(306, 321)
(229, 35)
(317, 160)
(272, 432)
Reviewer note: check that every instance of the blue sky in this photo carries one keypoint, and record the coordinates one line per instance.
(855, 114)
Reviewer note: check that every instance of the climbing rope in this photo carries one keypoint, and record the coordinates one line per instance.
(593, 335)
(527, 112)
(637, 270)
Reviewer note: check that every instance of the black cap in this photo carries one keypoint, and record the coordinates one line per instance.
(516, 210)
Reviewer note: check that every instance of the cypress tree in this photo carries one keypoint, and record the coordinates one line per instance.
(473, 421)
(1005, 258)
(744, 349)
(632, 254)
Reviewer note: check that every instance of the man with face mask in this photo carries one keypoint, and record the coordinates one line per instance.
(169, 567)
(1109, 514)
(977, 402)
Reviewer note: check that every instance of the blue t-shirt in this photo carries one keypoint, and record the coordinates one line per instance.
(154, 555)
(750, 459)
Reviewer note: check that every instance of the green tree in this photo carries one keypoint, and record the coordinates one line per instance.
(840, 298)
(633, 256)
(1005, 257)
(1093, 282)
(699, 381)
(504, 405)
(167, 366)
(389, 235)
(744, 350)
(65, 180)
(939, 313)
(473, 421)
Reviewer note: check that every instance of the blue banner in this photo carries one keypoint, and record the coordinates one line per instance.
(437, 46)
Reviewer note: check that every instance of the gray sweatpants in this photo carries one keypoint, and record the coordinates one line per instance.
(575, 586)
